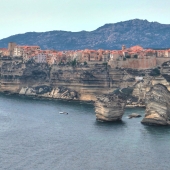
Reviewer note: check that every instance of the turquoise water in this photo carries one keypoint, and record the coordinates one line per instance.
(34, 136)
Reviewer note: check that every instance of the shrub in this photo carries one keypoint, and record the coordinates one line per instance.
(73, 63)
(68, 63)
(135, 56)
(105, 64)
(60, 63)
(128, 56)
(127, 91)
(155, 72)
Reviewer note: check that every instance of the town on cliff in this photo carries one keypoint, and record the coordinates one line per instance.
(135, 57)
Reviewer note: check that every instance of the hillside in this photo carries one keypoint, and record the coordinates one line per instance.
(109, 36)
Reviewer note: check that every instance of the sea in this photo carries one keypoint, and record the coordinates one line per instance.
(35, 136)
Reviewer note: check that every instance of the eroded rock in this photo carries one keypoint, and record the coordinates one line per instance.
(157, 106)
(109, 107)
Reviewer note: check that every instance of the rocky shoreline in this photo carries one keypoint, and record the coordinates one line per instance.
(110, 108)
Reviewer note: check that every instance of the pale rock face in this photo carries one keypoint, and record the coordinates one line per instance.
(30, 92)
(44, 91)
(64, 93)
(141, 88)
(157, 106)
(109, 107)
(40, 90)
(23, 91)
(27, 91)
(55, 93)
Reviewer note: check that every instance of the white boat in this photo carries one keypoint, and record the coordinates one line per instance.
(63, 113)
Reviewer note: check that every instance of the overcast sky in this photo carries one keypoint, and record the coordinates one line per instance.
(20, 16)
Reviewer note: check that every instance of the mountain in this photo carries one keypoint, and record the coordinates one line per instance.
(109, 36)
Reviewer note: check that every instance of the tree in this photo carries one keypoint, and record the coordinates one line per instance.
(155, 72)
(73, 63)
(128, 56)
(135, 56)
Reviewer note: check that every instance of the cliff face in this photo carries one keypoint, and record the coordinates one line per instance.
(83, 82)
(110, 88)
(157, 106)
(11, 72)
(78, 83)
(109, 36)
(86, 81)
(141, 88)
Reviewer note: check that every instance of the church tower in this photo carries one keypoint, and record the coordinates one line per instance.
(11, 46)
(123, 47)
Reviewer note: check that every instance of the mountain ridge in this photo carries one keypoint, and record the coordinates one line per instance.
(109, 36)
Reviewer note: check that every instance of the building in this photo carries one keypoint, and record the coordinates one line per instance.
(136, 48)
(123, 47)
(40, 57)
(167, 53)
(24, 50)
(4, 52)
(114, 55)
(11, 46)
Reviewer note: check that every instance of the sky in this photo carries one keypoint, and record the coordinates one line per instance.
(20, 16)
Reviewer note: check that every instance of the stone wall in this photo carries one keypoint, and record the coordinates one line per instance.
(133, 63)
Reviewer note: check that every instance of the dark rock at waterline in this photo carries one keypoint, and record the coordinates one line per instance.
(134, 115)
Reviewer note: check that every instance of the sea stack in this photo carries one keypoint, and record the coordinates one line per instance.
(157, 106)
(109, 107)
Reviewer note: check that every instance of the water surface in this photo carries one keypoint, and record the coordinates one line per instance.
(34, 136)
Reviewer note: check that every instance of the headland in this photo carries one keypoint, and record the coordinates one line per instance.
(84, 75)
